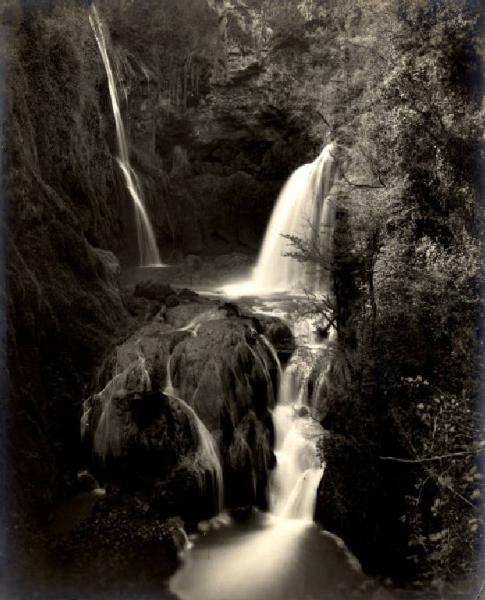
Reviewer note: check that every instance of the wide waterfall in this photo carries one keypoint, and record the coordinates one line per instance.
(147, 245)
(304, 210)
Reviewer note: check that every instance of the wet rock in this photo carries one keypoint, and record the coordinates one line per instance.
(147, 442)
(330, 383)
(188, 295)
(86, 482)
(153, 290)
(225, 371)
(351, 501)
(302, 411)
(188, 312)
(230, 310)
(120, 549)
(279, 335)
(172, 301)
(137, 307)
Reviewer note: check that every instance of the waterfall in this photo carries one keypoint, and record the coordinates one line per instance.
(110, 428)
(304, 210)
(281, 554)
(298, 470)
(273, 353)
(207, 455)
(147, 245)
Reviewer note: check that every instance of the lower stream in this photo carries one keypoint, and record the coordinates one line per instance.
(282, 554)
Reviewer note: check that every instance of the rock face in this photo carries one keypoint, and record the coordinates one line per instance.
(361, 498)
(63, 302)
(182, 407)
(215, 138)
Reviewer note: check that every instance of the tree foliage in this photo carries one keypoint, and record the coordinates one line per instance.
(406, 108)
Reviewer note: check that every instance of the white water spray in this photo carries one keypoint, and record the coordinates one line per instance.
(304, 210)
(147, 244)
(298, 470)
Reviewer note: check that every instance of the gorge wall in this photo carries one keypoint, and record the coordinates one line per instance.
(210, 161)
(214, 129)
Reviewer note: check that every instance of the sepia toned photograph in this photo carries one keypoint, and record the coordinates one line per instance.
(242, 319)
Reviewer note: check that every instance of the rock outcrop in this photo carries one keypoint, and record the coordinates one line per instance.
(184, 405)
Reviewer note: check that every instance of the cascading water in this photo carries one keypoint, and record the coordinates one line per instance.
(207, 455)
(305, 210)
(279, 555)
(147, 244)
(299, 469)
(108, 434)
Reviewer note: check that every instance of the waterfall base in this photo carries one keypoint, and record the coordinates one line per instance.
(268, 558)
(304, 211)
(282, 554)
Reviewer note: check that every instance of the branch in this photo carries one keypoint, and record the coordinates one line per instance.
(371, 49)
(363, 185)
(325, 120)
(429, 458)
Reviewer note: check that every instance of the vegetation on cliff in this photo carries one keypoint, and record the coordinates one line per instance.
(409, 122)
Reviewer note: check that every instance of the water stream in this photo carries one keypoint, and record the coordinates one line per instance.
(147, 245)
(282, 554)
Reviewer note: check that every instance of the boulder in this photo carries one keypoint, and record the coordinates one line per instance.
(188, 295)
(121, 549)
(153, 290)
(86, 482)
(220, 378)
(228, 375)
(172, 301)
(351, 500)
(147, 442)
(279, 334)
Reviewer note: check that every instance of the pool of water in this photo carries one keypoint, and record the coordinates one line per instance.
(268, 558)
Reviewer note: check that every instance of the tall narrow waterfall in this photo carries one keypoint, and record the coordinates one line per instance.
(305, 210)
(147, 245)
